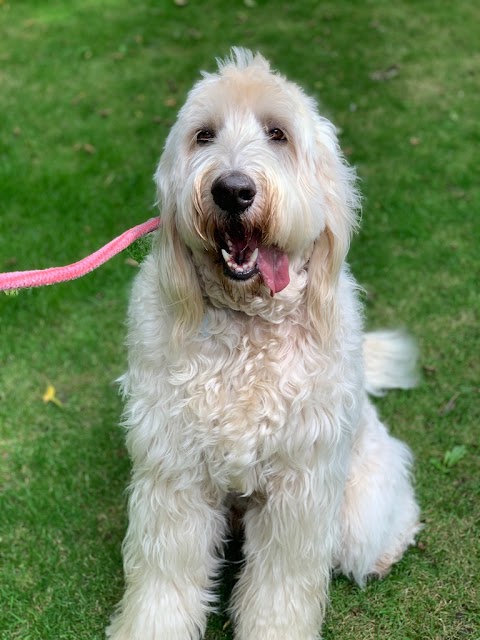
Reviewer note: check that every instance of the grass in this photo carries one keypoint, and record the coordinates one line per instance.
(88, 92)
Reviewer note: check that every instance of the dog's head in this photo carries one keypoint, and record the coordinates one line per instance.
(256, 198)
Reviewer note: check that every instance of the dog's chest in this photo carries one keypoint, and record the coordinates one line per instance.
(248, 403)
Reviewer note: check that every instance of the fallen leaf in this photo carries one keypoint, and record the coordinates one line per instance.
(81, 96)
(450, 405)
(458, 194)
(86, 147)
(195, 34)
(377, 26)
(50, 396)
(383, 75)
(429, 369)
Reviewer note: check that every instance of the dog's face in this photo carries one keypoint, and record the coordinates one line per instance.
(250, 180)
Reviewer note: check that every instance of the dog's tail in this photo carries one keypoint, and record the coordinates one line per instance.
(391, 361)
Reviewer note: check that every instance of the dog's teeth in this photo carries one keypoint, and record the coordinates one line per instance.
(226, 256)
(232, 263)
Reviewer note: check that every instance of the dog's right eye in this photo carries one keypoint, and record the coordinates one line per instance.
(205, 136)
(276, 134)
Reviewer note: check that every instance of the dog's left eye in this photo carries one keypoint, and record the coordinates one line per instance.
(205, 136)
(276, 134)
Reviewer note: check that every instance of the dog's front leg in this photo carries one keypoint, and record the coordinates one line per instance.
(169, 557)
(290, 536)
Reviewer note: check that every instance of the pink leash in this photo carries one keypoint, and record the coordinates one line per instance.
(39, 278)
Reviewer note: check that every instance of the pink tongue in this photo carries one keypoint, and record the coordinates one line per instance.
(273, 266)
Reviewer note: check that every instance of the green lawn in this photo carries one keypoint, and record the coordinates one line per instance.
(88, 90)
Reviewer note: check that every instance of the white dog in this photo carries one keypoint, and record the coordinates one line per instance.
(247, 374)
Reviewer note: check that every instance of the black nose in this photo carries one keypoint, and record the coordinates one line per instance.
(233, 192)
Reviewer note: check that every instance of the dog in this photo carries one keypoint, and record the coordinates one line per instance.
(248, 374)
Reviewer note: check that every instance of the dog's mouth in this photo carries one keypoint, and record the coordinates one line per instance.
(245, 255)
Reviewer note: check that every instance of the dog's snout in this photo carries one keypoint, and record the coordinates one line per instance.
(234, 192)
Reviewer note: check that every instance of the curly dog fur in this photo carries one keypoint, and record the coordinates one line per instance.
(248, 374)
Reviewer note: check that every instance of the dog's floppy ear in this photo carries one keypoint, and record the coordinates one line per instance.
(178, 279)
(340, 206)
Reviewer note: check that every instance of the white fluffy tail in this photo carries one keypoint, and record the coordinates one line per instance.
(390, 361)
